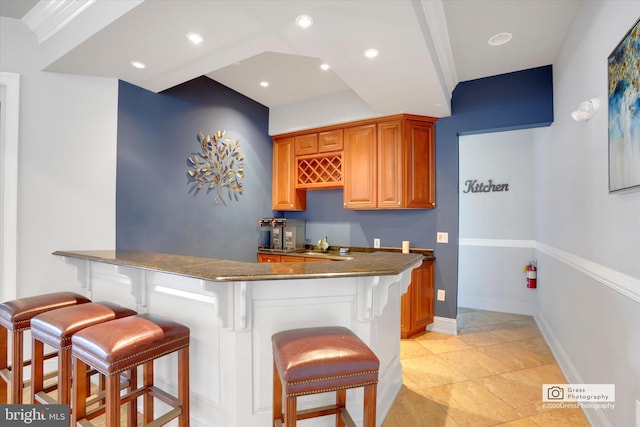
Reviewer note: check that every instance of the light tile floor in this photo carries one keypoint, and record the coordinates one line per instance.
(490, 374)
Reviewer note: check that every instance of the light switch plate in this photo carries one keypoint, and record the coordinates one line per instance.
(376, 243)
(442, 237)
(440, 294)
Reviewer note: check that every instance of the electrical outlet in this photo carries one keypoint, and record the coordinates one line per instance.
(442, 237)
(440, 294)
(376, 243)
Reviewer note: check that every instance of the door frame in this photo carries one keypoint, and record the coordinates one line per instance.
(9, 190)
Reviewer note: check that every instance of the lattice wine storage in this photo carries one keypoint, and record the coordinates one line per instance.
(319, 172)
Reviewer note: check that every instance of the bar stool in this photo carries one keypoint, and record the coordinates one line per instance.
(318, 360)
(123, 345)
(55, 328)
(15, 317)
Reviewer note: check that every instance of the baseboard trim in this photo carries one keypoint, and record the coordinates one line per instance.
(493, 304)
(444, 325)
(595, 416)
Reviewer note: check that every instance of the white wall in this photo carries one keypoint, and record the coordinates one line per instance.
(67, 163)
(588, 240)
(496, 228)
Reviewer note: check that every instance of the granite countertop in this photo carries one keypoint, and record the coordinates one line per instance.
(379, 263)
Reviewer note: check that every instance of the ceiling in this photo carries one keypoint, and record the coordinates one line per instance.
(425, 46)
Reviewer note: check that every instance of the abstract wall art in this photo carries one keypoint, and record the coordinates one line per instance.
(624, 112)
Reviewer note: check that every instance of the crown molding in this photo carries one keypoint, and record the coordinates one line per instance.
(50, 16)
(433, 22)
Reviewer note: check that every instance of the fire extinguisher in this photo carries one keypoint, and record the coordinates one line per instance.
(531, 271)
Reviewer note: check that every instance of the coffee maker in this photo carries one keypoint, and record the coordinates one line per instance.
(282, 234)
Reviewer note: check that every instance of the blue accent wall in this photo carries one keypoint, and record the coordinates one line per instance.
(156, 134)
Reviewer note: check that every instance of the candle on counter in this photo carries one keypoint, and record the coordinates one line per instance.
(405, 246)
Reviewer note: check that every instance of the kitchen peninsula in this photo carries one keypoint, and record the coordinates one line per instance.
(233, 308)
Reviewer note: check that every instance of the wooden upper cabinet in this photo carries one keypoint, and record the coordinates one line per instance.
(406, 165)
(420, 161)
(403, 168)
(360, 169)
(284, 194)
(306, 144)
(330, 141)
(383, 163)
(390, 164)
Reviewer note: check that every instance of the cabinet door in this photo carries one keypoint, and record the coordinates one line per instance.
(268, 258)
(330, 141)
(284, 194)
(422, 303)
(420, 165)
(360, 167)
(405, 314)
(390, 165)
(306, 144)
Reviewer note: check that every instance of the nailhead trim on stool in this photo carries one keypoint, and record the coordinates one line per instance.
(15, 317)
(123, 345)
(317, 360)
(55, 328)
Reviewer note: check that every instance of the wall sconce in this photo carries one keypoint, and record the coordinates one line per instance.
(586, 110)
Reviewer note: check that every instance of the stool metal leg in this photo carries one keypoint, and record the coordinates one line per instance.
(4, 364)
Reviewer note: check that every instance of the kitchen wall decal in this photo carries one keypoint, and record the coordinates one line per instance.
(624, 112)
(218, 167)
(474, 186)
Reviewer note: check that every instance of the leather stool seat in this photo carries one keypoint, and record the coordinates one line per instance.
(318, 360)
(15, 317)
(56, 328)
(123, 345)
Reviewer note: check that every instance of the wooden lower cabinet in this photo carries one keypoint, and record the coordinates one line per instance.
(417, 304)
(288, 258)
(268, 258)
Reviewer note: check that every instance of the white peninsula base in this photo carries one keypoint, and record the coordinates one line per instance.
(231, 327)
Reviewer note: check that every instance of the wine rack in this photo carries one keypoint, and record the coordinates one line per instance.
(320, 172)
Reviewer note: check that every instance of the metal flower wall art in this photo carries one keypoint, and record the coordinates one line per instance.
(218, 168)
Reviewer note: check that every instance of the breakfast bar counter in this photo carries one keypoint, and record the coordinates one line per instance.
(233, 308)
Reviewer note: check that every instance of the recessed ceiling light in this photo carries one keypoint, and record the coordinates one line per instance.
(137, 64)
(371, 53)
(324, 67)
(304, 21)
(195, 38)
(500, 39)
(264, 83)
